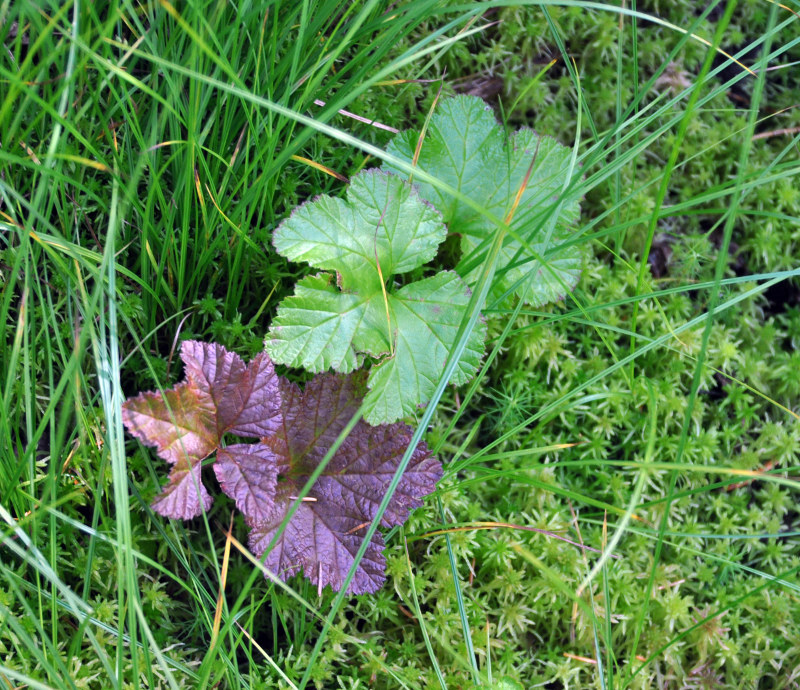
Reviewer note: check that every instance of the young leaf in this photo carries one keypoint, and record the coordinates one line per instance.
(327, 529)
(466, 148)
(186, 424)
(332, 321)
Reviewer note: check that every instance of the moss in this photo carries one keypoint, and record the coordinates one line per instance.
(707, 620)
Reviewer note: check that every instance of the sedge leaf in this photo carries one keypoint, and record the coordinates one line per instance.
(466, 148)
(333, 320)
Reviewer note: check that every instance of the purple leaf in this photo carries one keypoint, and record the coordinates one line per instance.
(313, 418)
(295, 428)
(249, 475)
(321, 542)
(246, 398)
(186, 423)
(325, 533)
(180, 499)
(360, 473)
(220, 395)
(179, 422)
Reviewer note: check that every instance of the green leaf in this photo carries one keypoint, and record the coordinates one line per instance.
(466, 148)
(381, 222)
(425, 316)
(333, 321)
(320, 327)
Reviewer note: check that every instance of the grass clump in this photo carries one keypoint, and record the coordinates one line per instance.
(148, 154)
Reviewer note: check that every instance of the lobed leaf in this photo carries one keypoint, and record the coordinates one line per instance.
(320, 327)
(245, 398)
(295, 429)
(248, 474)
(335, 321)
(180, 423)
(186, 424)
(323, 547)
(425, 319)
(466, 148)
(327, 529)
(381, 222)
(184, 496)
